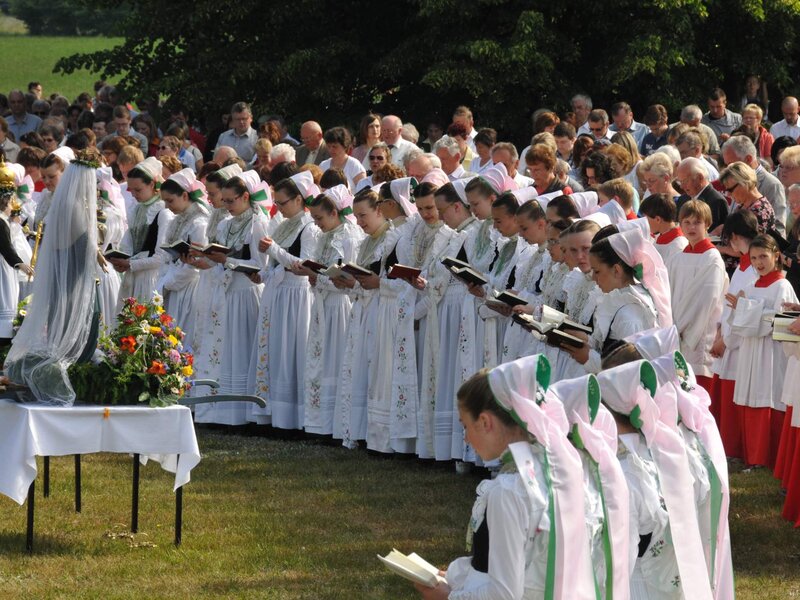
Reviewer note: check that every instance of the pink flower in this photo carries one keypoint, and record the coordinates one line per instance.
(175, 356)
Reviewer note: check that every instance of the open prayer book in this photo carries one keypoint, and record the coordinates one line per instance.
(177, 249)
(116, 254)
(399, 271)
(412, 567)
(464, 271)
(213, 248)
(780, 327)
(239, 267)
(347, 270)
(554, 326)
(508, 298)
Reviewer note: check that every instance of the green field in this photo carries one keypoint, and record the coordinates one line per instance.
(28, 58)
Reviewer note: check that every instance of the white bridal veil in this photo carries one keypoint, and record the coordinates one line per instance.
(55, 333)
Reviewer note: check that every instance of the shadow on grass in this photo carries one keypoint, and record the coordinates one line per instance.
(12, 545)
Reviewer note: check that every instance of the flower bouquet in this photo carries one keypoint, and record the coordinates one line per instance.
(143, 360)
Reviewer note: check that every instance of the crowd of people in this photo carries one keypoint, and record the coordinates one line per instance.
(595, 309)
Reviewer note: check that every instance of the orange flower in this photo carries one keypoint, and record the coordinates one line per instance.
(157, 368)
(128, 344)
(189, 359)
(139, 310)
(165, 319)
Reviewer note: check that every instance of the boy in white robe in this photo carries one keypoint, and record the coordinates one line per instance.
(661, 214)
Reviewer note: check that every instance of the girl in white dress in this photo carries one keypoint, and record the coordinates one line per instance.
(148, 224)
(277, 370)
(114, 226)
(360, 360)
(416, 346)
(10, 262)
(383, 414)
(184, 196)
(330, 310)
(448, 434)
(635, 297)
(229, 336)
(761, 368)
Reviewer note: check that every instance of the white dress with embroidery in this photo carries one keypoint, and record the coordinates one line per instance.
(583, 294)
(327, 334)
(228, 332)
(277, 372)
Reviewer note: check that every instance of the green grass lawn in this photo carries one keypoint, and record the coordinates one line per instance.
(29, 58)
(295, 519)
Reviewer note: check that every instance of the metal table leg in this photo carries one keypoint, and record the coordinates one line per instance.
(178, 511)
(46, 477)
(135, 498)
(77, 483)
(29, 532)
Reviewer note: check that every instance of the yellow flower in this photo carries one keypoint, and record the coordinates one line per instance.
(159, 309)
(173, 340)
(187, 370)
(155, 329)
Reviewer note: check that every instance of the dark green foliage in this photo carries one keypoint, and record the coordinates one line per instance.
(69, 17)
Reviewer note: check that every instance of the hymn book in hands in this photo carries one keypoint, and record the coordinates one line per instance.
(412, 567)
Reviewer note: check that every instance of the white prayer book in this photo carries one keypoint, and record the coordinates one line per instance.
(780, 331)
(412, 567)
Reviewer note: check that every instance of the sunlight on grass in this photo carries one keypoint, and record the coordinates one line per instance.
(294, 519)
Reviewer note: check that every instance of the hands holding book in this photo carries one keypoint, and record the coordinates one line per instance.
(440, 592)
(580, 354)
(369, 282)
(476, 290)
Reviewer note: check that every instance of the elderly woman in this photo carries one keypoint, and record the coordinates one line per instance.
(541, 162)
(656, 173)
(369, 134)
(752, 116)
(739, 180)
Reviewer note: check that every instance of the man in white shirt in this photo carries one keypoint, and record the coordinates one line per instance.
(741, 148)
(506, 153)
(581, 106)
(597, 125)
(789, 125)
(690, 145)
(391, 134)
(463, 115)
(622, 115)
(242, 137)
(449, 153)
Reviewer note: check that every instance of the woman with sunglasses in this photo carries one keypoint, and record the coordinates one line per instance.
(739, 181)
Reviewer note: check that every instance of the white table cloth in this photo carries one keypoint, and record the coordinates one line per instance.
(30, 430)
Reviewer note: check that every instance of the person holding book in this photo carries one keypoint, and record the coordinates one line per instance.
(148, 224)
(337, 243)
(228, 334)
(501, 276)
(361, 355)
(277, 369)
(416, 344)
(388, 422)
(662, 216)
(454, 211)
(761, 368)
(741, 228)
(635, 286)
(184, 196)
(509, 532)
(698, 282)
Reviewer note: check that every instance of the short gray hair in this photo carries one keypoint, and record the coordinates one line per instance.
(508, 146)
(411, 156)
(409, 132)
(448, 143)
(283, 151)
(691, 113)
(436, 162)
(695, 167)
(586, 100)
(741, 146)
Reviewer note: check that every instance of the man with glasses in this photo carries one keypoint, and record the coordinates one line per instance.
(20, 121)
(312, 151)
(622, 115)
(241, 137)
(122, 123)
(598, 125)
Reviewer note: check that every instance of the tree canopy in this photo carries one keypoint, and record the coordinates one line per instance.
(504, 58)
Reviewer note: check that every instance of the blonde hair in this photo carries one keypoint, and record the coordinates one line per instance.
(130, 155)
(546, 138)
(790, 158)
(263, 146)
(171, 164)
(754, 108)
(620, 189)
(741, 174)
(696, 208)
(659, 164)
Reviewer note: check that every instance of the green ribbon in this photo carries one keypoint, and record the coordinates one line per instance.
(595, 469)
(636, 417)
(347, 210)
(157, 185)
(104, 195)
(550, 575)
(196, 195)
(259, 196)
(638, 271)
(22, 190)
(716, 504)
(308, 201)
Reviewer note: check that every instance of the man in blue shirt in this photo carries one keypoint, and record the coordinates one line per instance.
(656, 120)
(20, 121)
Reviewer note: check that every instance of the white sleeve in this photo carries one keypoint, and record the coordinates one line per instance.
(508, 519)
(308, 239)
(693, 317)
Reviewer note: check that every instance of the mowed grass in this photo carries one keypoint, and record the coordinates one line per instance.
(29, 58)
(295, 519)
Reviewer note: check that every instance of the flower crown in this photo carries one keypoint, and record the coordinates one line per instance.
(87, 158)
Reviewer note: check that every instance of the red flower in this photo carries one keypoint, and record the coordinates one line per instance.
(128, 344)
(139, 310)
(130, 301)
(157, 368)
(189, 359)
(165, 319)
